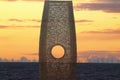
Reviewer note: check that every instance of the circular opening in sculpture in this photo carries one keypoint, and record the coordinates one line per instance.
(58, 51)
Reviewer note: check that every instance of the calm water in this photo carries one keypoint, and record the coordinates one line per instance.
(29, 71)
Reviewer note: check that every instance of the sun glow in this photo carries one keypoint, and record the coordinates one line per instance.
(20, 28)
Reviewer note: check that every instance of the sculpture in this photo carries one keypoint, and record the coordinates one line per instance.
(58, 31)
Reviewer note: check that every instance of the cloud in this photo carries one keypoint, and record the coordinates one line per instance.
(100, 56)
(26, 27)
(22, 59)
(8, 0)
(33, 0)
(21, 21)
(106, 7)
(107, 1)
(34, 20)
(31, 54)
(24, 20)
(3, 60)
(84, 20)
(2, 26)
(106, 31)
(17, 20)
(96, 53)
(109, 35)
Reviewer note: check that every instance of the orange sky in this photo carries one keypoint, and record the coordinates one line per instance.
(97, 26)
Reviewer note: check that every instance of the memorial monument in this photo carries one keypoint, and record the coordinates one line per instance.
(57, 49)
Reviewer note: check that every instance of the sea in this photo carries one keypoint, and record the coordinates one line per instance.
(85, 71)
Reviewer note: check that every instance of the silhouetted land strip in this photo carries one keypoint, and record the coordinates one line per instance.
(85, 71)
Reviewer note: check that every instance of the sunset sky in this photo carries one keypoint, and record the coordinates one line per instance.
(97, 27)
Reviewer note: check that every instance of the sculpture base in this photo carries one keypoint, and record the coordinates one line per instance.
(57, 71)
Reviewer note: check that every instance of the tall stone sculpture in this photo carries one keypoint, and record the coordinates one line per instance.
(58, 31)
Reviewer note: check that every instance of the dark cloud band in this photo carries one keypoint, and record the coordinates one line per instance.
(106, 7)
(2, 26)
(108, 1)
(84, 20)
(106, 31)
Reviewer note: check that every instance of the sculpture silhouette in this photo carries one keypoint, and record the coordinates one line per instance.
(57, 29)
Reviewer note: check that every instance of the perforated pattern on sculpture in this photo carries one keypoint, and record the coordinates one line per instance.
(58, 28)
